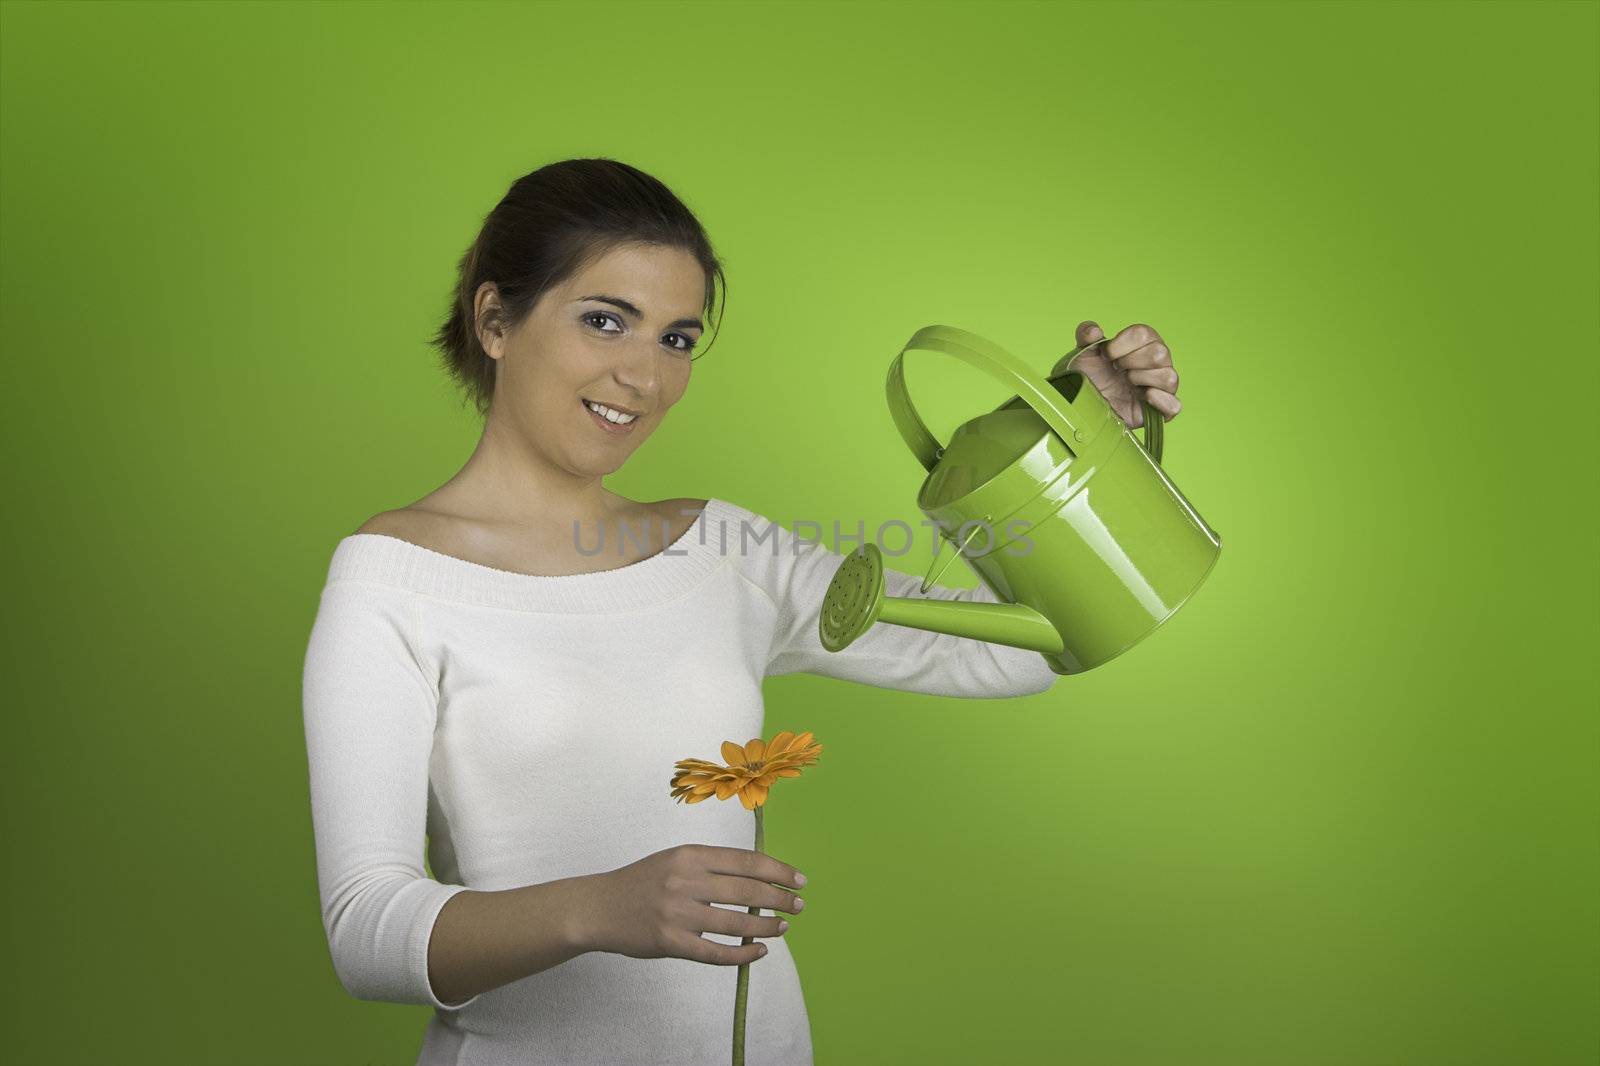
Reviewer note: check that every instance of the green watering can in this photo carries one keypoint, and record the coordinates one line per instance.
(1071, 523)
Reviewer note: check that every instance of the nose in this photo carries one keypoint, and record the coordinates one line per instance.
(638, 369)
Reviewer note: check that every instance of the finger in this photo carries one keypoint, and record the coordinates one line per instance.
(700, 949)
(1164, 378)
(743, 862)
(750, 892)
(1168, 404)
(739, 923)
(1088, 332)
(1138, 346)
(763, 867)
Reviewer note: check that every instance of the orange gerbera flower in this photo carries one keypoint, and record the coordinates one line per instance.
(751, 769)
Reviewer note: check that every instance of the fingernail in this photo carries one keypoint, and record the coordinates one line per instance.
(782, 925)
(799, 904)
(799, 879)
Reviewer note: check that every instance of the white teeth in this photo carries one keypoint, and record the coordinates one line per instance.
(608, 414)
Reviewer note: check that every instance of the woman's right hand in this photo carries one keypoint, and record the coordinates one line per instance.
(658, 906)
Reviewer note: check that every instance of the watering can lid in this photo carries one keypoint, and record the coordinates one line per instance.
(982, 448)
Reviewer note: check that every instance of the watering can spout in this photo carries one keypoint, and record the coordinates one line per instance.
(855, 600)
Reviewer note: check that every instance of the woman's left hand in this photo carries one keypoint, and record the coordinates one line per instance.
(1130, 368)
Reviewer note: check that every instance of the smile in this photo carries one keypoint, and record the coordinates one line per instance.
(609, 418)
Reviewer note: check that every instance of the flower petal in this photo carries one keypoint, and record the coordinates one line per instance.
(754, 749)
(780, 743)
(732, 753)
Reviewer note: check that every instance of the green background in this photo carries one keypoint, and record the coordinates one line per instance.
(1342, 809)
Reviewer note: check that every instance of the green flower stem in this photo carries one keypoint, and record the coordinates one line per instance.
(744, 972)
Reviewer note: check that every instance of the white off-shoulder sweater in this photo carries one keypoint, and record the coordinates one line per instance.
(527, 727)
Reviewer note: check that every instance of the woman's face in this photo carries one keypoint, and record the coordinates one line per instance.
(618, 334)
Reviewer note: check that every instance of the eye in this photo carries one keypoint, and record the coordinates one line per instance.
(684, 349)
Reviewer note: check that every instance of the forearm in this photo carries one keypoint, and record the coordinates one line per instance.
(482, 940)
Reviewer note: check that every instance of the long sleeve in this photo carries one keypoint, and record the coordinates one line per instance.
(797, 576)
(369, 718)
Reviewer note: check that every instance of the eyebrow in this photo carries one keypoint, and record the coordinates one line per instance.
(617, 301)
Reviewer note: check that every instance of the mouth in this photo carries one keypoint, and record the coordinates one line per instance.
(614, 420)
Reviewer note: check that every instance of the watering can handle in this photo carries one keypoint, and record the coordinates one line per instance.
(1045, 400)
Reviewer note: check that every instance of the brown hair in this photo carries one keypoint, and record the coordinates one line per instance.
(548, 226)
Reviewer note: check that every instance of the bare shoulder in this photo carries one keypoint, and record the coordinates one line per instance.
(679, 505)
(415, 524)
(679, 514)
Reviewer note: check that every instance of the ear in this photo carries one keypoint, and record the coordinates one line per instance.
(486, 319)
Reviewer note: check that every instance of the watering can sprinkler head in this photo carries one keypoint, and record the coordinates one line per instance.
(1108, 550)
(854, 599)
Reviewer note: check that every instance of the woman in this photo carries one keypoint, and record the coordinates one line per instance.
(480, 673)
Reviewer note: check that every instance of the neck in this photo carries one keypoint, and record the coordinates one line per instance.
(506, 479)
